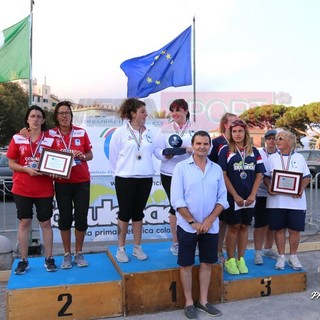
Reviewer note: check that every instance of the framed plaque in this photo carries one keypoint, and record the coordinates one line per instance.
(56, 162)
(287, 182)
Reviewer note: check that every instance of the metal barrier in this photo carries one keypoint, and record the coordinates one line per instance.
(313, 218)
(4, 191)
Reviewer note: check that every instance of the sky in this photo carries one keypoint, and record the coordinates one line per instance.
(240, 45)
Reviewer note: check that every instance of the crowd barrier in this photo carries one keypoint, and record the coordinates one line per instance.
(313, 215)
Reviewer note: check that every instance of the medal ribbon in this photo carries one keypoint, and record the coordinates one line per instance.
(225, 138)
(183, 129)
(37, 148)
(138, 141)
(285, 168)
(64, 143)
(243, 157)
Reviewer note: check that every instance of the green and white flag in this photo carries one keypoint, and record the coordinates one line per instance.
(15, 57)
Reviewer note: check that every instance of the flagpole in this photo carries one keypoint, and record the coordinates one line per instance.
(30, 43)
(194, 69)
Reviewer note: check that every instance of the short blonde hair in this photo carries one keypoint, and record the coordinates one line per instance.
(288, 135)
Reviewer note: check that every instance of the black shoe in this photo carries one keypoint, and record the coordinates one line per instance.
(50, 264)
(190, 312)
(209, 309)
(22, 267)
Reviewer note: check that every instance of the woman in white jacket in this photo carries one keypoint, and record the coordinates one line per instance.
(131, 150)
(175, 136)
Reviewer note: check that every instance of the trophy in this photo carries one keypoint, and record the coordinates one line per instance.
(175, 142)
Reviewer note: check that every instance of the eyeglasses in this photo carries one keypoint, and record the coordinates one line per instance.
(66, 113)
(271, 138)
(280, 139)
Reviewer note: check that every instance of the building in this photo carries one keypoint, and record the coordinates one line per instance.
(41, 94)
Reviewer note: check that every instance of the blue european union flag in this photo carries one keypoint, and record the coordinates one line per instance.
(170, 66)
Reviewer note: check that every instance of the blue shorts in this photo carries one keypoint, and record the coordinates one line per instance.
(286, 218)
(260, 214)
(242, 216)
(24, 205)
(207, 244)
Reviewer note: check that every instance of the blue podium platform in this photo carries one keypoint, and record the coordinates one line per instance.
(77, 293)
(100, 269)
(258, 271)
(262, 280)
(159, 258)
(154, 284)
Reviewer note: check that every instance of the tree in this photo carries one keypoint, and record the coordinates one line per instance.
(264, 116)
(303, 121)
(13, 107)
(49, 119)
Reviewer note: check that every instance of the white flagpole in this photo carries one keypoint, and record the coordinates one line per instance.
(30, 44)
(194, 69)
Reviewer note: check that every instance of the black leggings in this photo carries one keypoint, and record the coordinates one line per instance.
(166, 183)
(132, 195)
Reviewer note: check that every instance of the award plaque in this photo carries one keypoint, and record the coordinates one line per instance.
(287, 182)
(175, 142)
(57, 163)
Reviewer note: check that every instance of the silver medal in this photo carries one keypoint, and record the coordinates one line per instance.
(243, 175)
(33, 164)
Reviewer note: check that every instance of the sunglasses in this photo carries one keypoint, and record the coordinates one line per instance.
(280, 139)
(238, 123)
(271, 138)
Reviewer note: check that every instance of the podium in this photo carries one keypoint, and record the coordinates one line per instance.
(154, 284)
(76, 293)
(262, 280)
(107, 288)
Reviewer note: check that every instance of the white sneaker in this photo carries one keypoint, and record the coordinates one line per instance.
(281, 262)
(270, 253)
(258, 257)
(138, 253)
(122, 255)
(294, 263)
(174, 248)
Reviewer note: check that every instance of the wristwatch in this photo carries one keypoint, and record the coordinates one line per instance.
(191, 222)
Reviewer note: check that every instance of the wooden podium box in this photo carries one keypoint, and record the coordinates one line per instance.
(154, 285)
(262, 280)
(77, 293)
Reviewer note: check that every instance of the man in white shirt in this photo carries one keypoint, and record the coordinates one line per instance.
(199, 195)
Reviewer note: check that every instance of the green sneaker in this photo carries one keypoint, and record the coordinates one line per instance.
(230, 266)
(242, 266)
